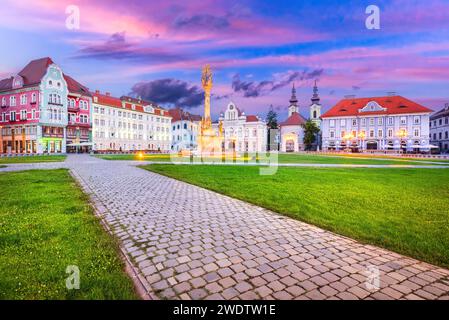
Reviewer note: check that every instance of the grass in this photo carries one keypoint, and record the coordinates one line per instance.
(46, 224)
(31, 159)
(404, 210)
(286, 158)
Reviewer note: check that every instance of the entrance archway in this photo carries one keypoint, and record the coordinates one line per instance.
(290, 146)
(371, 145)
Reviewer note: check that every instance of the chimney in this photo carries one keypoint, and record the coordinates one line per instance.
(97, 91)
(108, 94)
(446, 106)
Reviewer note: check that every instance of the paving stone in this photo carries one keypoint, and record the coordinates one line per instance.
(185, 239)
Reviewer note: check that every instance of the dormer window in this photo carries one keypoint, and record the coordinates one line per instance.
(50, 83)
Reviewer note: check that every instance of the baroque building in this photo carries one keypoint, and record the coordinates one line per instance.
(380, 123)
(129, 124)
(34, 109)
(241, 133)
(292, 130)
(185, 130)
(439, 129)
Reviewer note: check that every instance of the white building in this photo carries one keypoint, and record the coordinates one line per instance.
(292, 131)
(242, 133)
(128, 124)
(185, 129)
(439, 129)
(381, 123)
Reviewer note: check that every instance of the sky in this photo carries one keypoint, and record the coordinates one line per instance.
(257, 49)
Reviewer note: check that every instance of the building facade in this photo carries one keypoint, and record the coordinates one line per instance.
(34, 109)
(439, 129)
(185, 130)
(380, 123)
(79, 126)
(292, 130)
(241, 133)
(129, 124)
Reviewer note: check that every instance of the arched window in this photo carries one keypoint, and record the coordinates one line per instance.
(314, 114)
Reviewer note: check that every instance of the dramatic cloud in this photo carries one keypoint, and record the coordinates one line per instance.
(118, 48)
(201, 21)
(256, 89)
(169, 91)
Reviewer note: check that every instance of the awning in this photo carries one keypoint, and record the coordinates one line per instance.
(429, 146)
(81, 144)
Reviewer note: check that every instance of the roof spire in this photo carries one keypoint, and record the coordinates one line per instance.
(315, 98)
(293, 99)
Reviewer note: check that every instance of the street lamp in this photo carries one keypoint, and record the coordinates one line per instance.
(402, 134)
(348, 137)
(362, 136)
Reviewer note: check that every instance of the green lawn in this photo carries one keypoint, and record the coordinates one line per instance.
(46, 224)
(405, 210)
(30, 159)
(282, 158)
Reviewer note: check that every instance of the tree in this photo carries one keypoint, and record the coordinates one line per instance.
(272, 123)
(310, 132)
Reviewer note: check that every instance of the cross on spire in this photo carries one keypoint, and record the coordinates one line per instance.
(293, 99)
(315, 98)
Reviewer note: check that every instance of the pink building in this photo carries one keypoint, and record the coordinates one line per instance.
(34, 115)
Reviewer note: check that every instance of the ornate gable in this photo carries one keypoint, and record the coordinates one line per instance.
(372, 106)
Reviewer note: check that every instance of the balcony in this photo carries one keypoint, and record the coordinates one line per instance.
(73, 109)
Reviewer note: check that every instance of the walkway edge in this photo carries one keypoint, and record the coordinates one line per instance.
(141, 285)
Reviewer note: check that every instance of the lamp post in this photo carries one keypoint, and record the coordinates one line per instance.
(402, 134)
(362, 138)
(348, 137)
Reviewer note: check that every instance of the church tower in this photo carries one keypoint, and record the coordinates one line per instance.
(293, 102)
(315, 107)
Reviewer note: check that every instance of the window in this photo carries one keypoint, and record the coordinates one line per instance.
(371, 133)
(332, 123)
(371, 121)
(380, 133)
(12, 101)
(363, 121)
(331, 134)
(33, 97)
(390, 133)
(390, 121)
(23, 99)
(380, 121)
(354, 122)
(12, 116)
(95, 109)
(416, 119)
(23, 114)
(185, 125)
(416, 132)
(343, 123)
(33, 114)
(343, 133)
(403, 120)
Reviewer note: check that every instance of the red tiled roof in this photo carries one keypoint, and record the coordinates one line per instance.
(35, 70)
(178, 114)
(76, 87)
(294, 120)
(107, 100)
(251, 118)
(31, 74)
(393, 105)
